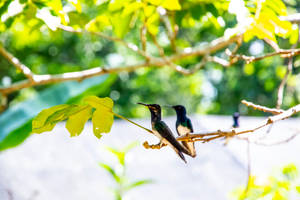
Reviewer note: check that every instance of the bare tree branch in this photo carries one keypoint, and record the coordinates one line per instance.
(285, 53)
(208, 136)
(78, 76)
(286, 140)
(130, 46)
(283, 82)
(262, 108)
(15, 62)
(170, 32)
(208, 49)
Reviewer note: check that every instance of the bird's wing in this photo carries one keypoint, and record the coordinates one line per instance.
(166, 133)
(189, 125)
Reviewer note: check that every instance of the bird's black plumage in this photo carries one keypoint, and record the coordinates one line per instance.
(162, 131)
(184, 127)
(236, 123)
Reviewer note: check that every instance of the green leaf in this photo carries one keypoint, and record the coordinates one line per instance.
(212, 9)
(120, 27)
(119, 154)
(98, 24)
(39, 122)
(76, 122)
(138, 183)
(102, 122)
(3, 6)
(111, 171)
(20, 116)
(100, 103)
(16, 137)
(102, 118)
(130, 146)
(197, 11)
(153, 23)
(290, 171)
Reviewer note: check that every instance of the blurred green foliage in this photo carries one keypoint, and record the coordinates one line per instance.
(29, 30)
(283, 185)
(118, 172)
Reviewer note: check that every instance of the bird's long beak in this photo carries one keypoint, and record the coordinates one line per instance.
(168, 106)
(143, 104)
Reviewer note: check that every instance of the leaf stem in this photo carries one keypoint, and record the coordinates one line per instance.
(120, 116)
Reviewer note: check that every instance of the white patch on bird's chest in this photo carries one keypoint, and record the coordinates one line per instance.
(182, 130)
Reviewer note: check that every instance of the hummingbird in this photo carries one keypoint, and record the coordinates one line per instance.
(163, 132)
(184, 127)
(236, 123)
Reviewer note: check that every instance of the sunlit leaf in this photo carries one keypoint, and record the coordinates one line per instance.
(98, 24)
(171, 4)
(138, 183)
(102, 122)
(111, 171)
(76, 4)
(290, 171)
(120, 27)
(130, 146)
(100, 103)
(119, 154)
(298, 189)
(76, 122)
(131, 8)
(153, 23)
(103, 116)
(38, 123)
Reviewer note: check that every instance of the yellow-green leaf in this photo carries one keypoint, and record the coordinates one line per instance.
(102, 122)
(171, 4)
(103, 116)
(298, 189)
(76, 122)
(168, 4)
(120, 24)
(39, 122)
(97, 102)
(131, 8)
(76, 4)
(153, 23)
(98, 24)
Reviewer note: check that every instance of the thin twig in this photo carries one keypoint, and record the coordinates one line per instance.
(277, 142)
(78, 76)
(285, 53)
(208, 136)
(159, 48)
(262, 108)
(124, 118)
(143, 32)
(170, 32)
(16, 63)
(283, 82)
(130, 46)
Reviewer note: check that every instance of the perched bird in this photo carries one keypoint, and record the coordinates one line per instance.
(163, 132)
(236, 123)
(184, 127)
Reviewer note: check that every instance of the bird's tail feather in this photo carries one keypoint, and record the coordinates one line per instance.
(181, 156)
